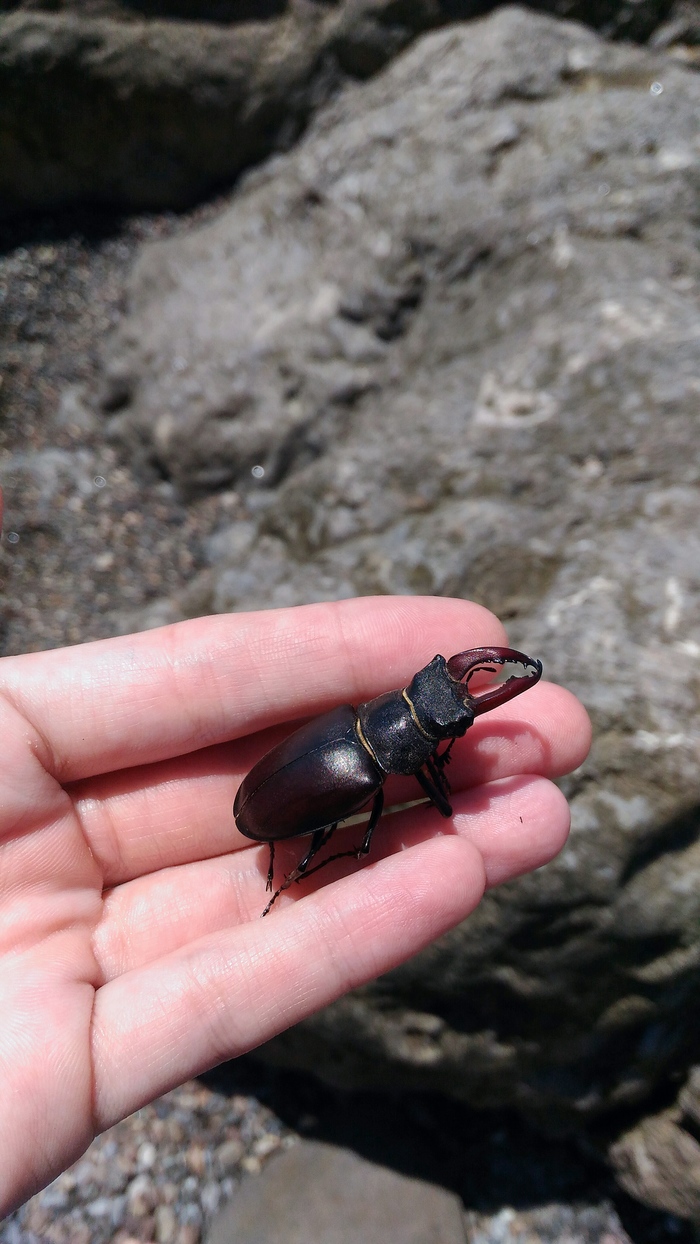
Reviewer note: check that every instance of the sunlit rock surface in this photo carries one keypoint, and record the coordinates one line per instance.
(150, 104)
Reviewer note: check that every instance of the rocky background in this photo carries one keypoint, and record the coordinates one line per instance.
(444, 338)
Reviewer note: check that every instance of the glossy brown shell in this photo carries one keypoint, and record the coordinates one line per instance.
(320, 774)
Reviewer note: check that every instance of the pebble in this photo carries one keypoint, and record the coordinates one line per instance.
(228, 1155)
(166, 1224)
(147, 1155)
(141, 1196)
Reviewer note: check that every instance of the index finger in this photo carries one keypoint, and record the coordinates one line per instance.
(148, 697)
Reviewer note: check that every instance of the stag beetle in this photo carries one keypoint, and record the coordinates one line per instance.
(330, 768)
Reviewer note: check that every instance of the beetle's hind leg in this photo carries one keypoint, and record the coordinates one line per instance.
(271, 869)
(318, 840)
(363, 849)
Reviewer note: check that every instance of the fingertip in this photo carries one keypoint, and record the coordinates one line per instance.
(517, 824)
(555, 709)
(559, 718)
(580, 731)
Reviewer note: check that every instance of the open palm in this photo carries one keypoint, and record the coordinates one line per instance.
(132, 953)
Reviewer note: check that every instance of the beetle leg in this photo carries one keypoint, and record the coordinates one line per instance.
(318, 840)
(436, 772)
(363, 849)
(434, 794)
(271, 869)
(444, 757)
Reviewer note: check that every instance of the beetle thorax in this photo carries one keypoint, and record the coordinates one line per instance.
(401, 729)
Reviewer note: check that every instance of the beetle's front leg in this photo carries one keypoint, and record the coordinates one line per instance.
(434, 794)
(271, 869)
(435, 765)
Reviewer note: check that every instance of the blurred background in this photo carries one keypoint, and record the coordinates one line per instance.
(312, 300)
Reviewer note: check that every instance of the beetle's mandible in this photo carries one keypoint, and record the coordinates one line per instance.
(333, 766)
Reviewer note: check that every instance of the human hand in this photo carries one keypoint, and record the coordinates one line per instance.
(132, 953)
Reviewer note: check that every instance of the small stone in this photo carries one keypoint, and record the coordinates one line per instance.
(141, 1196)
(147, 1228)
(239, 1106)
(188, 1234)
(166, 1224)
(266, 1144)
(251, 1164)
(210, 1197)
(85, 1173)
(37, 1217)
(229, 1154)
(55, 1198)
(107, 1207)
(146, 1156)
(196, 1159)
(191, 1214)
(76, 1232)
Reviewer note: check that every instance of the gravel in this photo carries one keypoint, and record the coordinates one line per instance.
(160, 1175)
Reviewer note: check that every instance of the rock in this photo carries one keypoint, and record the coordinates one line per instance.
(331, 1196)
(166, 1224)
(658, 1161)
(142, 1196)
(680, 30)
(154, 104)
(457, 328)
(229, 1154)
(145, 114)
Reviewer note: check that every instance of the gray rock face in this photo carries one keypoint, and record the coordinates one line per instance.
(153, 103)
(458, 330)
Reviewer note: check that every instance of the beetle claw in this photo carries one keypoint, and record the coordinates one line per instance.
(463, 665)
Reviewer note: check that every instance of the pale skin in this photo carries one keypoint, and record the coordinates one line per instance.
(132, 953)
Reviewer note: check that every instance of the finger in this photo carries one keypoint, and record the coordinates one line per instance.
(175, 812)
(516, 824)
(545, 731)
(143, 698)
(156, 1026)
